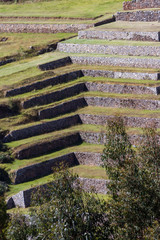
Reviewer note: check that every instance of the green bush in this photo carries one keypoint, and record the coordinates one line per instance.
(134, 181)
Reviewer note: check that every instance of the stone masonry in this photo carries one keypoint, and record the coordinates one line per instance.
(139, 4)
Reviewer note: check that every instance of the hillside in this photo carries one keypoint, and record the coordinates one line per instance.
(62, 85)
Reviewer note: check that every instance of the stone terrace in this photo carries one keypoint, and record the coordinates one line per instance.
(107, 70)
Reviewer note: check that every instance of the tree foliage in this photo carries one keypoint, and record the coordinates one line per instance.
(134, 181)
(65, 211)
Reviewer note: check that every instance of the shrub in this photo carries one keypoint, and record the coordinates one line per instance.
(134, 181)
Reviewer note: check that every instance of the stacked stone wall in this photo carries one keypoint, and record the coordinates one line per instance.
(55, 96)
(47, 146)
(123, 74)
(43, 169)
(63, 108)
(117, 61)
(42, 28)
(121, 88)
(139, 16)
(24, 198)
(109, 49)
(55, 64)
(42, 128)
(123, 103)
(119, 35)
(128, 121)
(47, 82)
(140, 4)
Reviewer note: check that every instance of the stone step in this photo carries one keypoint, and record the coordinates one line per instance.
(121, 74)
(23, 198)
(106, 87)
(139, 15)
(138, 122)
(64, 78)
(75, 104)
(71, 76)
(42, 128)
(54, 96)
(109, 49)
(55, 64)
(121, 88)
(123, 102)
(131, 5)
(45, 168)
(121, 61)
(67, 122)
(109, 34)
(46, 146)
(63, 108)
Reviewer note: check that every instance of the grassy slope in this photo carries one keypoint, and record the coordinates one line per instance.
(16, 72)
(62, 8)
(82, 170)
(19, 42)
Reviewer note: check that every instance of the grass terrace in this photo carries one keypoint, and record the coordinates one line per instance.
(64, 9)
(18, 43)
(129, 26)
(82, 170)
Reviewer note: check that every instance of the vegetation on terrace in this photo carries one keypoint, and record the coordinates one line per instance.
(70, 8)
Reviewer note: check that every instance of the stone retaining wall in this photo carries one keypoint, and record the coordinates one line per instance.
(139, 16)
(78, 74)
(74, 120)
(99, 185)
(55, 64)
(23, 198)
(63, 108)
(117, 61)
(46, 146)
(119, 35)
(39, 170)
(139, 4)
(109, 49)
(55, 96)
(128, 121)
(98, 101)
(42, 128)
(47, 82)
(88, 158)
(42, 28)
(100, 138)
(43, 169)
(121, 88)
(123, 74)
(123, 103)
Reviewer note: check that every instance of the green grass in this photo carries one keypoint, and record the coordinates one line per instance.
(112, 56)
(58, 87)
(90, 171)
(12, 76)
(29, 63)
(129, 26)
(63, 8)
(17, 43)
(32, 141)
(83, 171)
(113, 42)
(84, 147)
(120, 112)
(56, 134)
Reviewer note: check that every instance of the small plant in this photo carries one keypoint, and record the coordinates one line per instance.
(14, 106)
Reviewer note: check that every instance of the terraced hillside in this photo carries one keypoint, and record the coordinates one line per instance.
(65, 103)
